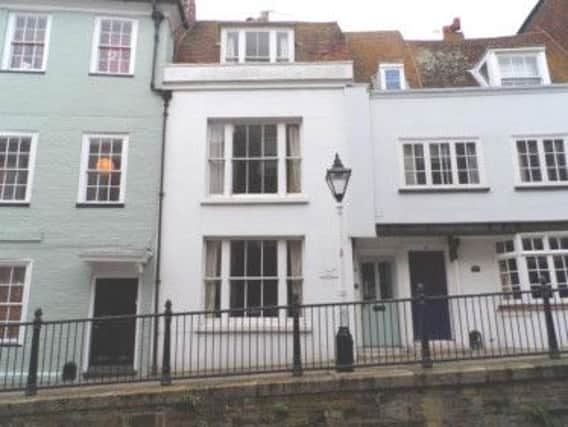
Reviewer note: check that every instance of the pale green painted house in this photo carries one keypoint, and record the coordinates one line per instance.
(80, 147)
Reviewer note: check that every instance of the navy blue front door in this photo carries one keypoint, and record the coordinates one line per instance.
(429, 269)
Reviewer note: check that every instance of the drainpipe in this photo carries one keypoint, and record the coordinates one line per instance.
(166, 95)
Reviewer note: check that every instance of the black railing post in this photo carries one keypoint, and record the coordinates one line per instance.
(166, 355)
(297, 370)
(424, 328)
(553, 349)
(31, 385)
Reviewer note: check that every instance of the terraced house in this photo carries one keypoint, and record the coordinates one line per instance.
(448, 216)
(80, 143)
(459, 184)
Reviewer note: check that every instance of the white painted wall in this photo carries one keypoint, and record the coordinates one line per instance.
(333, 120)
(490, 115)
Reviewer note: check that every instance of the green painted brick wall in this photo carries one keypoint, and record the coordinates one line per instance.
(61, 105)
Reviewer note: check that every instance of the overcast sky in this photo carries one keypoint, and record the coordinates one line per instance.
(415, 18)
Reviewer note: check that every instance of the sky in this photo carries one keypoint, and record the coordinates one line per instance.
(422, 19)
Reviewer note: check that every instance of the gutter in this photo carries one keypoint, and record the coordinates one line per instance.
(166, 95)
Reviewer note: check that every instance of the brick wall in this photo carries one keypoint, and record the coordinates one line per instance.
(523, 395)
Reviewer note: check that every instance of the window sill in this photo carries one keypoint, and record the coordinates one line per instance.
(16, 71)
(100, 205)
(540, 187)
(246, 325)
(524, 307)
(94, 74)
(256, 200)
(15, 204)
(409, 190)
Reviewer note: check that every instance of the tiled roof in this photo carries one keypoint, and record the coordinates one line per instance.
(443, 64)
(428, 64)
(314, 41)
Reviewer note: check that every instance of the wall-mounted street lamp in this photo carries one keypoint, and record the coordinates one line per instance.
(337, 179)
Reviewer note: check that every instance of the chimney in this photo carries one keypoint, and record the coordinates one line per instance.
(453, 32)
(190, 11)
(264, 16)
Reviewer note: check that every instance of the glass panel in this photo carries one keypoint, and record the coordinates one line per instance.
(369, 281)
(237, 298)
(269, 259)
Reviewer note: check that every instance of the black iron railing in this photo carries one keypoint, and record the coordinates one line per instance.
(421, 330)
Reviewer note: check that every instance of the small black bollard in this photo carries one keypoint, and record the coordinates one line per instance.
(297, 369)
(344, 343)
(553, 349)
(424, 328)
(31, 385)
(166, 356)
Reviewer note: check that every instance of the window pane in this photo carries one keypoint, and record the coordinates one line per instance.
(237, 298)
(253, 294)
(441, 164)
(237, 258)
(282, 53)
(232, 48)
(255, 176)
(253, 258)
(240, 176)
(270, 265)
(271, 176)
(270, 141)
(392, 79)
(270, 297)
(529, 162)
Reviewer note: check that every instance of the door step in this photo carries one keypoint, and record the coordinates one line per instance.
(109, 371)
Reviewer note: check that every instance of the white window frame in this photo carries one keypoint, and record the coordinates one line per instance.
(384, 67)
(85, 144)
(545, 182)
(281, 193)
(429, 186)
(7, 54)
(95, 46)
(27, 264)
(225, 278)
(521, 255)
(273, 31)
(491, 59)
(31, 165)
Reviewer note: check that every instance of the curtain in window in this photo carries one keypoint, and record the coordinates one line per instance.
(293, 163)
(294, 270)
(212, 274)
(216, 158)
(232, 46)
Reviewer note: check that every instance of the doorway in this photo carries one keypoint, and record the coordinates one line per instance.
(113, 340)
(429, 269)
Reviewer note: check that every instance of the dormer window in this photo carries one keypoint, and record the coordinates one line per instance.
(513, 68)
(257, 45)
(391, 77)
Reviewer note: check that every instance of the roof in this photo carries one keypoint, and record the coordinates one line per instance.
(428, 64)
(314, 41)
(443, 64)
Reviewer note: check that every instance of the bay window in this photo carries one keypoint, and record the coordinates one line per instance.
(441, 164)
(250, 277)
(251, 158)
(526, 260)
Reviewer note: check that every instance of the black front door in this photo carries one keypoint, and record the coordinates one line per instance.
(429, 269)
(112, 340)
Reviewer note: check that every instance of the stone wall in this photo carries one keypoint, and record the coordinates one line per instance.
(527, 394)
